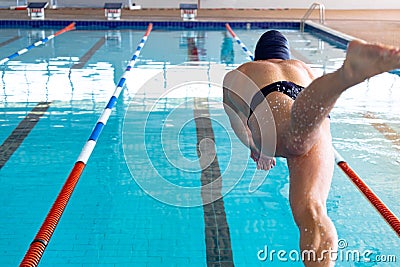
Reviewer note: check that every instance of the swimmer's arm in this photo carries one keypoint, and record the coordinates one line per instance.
(239, 125)
(238, 118)
(238, 122)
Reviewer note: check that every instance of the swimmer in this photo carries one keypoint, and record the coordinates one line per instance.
(277, 93)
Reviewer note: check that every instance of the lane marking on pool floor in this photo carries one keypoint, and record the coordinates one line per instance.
(10, 40)
(15, 139)
(218, 241)
(88, 55)
(384, 129)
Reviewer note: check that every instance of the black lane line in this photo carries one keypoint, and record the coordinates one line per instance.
(9, 41)
(15, 139)
(218, 240)
(384, 129)
(85, 58)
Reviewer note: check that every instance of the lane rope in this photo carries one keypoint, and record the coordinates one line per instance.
(378, 204)
(242, 45)
(38, 43)
(39, 244)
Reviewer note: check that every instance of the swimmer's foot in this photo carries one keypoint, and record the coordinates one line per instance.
(365, 60)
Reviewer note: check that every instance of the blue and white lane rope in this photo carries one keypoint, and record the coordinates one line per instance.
(89, 146)
(244, 48)
(39, 244)
(38, 43)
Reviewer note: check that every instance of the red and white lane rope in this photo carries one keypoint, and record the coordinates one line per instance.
(242, 45)
(386, 213)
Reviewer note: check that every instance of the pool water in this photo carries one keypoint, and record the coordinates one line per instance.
(139, 200)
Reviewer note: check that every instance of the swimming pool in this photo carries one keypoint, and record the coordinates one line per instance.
(121, 213)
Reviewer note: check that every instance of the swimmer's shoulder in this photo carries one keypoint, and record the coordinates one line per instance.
(252, 66)
(270, 63)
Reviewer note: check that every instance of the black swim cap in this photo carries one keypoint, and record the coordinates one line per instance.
(272, 44)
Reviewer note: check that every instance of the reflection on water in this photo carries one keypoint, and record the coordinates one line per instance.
(79, 95)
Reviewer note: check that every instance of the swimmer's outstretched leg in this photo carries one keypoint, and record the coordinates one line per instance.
(309, 147)
(314, 103)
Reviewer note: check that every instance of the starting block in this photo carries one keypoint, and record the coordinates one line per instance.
(36, 9)
(113, 11)
(188, 11)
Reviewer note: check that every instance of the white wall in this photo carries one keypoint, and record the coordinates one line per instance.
(329, 4)
(162, 3)
(87, 3)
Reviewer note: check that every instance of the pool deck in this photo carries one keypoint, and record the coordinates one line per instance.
(370, 25)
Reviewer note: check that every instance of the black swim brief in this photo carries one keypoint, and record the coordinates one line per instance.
(288, 88)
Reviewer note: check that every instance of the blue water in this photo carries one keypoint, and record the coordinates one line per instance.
(113, 219)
